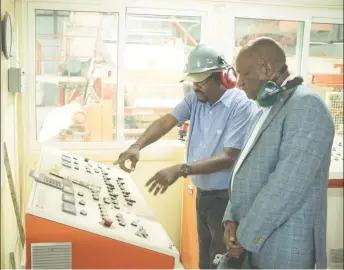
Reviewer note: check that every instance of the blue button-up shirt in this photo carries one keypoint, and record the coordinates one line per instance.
(213, 128)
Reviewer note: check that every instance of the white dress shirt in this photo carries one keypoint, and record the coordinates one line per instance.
(244, 152)
(264, 113)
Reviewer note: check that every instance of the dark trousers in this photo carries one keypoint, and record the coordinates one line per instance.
(210, 208)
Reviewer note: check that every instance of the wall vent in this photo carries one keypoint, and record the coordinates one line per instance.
(336, 259)
(51, 255)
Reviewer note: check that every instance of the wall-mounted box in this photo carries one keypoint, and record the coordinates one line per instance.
(16, 80)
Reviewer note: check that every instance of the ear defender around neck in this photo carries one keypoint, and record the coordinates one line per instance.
(268, 92)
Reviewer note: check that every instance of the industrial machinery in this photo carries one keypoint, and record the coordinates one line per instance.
(86, 215)
(337, 157)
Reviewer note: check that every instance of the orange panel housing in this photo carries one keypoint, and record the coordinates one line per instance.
(92, 251)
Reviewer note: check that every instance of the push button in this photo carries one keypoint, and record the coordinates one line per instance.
(82, 202)
(134, 223)
(122, 223)
(80, 193)
(107, 222)
(83, 212)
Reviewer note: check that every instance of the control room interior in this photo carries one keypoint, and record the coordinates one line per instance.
(124, 59)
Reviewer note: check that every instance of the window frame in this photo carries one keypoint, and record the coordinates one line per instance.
(214, 14)
(121, 10)
(157, 11)
(282, 12)
(323, 17)
(275, 13)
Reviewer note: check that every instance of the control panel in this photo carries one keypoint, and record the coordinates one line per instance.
(92, 197)
(337, 158)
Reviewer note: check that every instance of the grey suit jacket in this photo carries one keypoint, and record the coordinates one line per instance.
(279, 194)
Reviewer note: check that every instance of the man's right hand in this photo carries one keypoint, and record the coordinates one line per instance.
(233, 246)
(132, 154)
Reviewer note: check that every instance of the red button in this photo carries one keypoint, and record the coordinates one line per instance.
(107, 222)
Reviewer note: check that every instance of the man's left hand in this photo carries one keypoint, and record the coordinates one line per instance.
(164, 178)
(233, 246)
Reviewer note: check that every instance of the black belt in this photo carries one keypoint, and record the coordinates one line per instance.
(211, 192)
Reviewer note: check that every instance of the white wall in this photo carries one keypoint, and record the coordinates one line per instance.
(9, 135)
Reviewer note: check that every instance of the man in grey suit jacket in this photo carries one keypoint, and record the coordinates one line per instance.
(278, 198)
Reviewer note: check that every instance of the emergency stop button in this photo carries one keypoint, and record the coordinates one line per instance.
(107, 222)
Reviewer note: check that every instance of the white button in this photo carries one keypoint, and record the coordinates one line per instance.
(210, 112)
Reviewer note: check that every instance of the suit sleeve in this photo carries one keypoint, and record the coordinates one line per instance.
(182, 112)
(307, 139)
(228, 213)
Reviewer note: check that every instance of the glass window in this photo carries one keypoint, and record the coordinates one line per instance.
(157, 47)
(76, 75)
(287, 33)
(325, 68)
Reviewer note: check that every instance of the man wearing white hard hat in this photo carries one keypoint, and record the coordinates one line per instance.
(219, 114)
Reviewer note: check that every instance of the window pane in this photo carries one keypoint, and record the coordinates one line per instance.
(76, 75)
(325, 69)
(286, 33)
(156, 52)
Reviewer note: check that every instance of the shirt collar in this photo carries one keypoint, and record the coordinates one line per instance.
(223, 98)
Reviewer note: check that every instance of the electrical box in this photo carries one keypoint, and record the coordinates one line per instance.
(16, 78)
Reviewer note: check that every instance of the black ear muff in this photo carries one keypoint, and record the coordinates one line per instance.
(228, 78)
(268, 91)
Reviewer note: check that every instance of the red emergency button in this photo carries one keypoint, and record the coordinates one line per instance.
(107, 222)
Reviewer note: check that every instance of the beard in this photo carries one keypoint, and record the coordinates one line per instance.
(201, 97)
